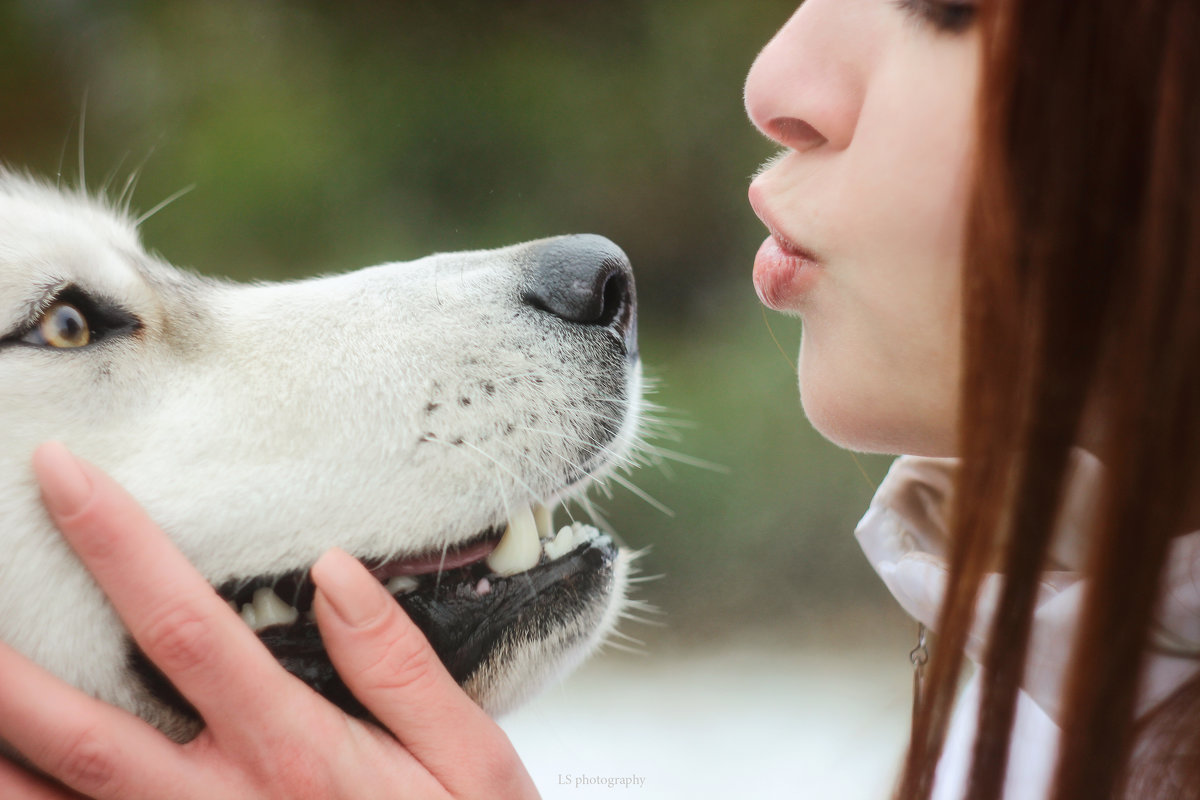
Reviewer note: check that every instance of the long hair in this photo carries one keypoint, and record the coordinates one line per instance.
(1082, 322)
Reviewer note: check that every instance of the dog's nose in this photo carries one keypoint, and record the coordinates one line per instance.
(587, 280)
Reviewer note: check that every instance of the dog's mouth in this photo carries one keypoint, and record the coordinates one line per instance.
(470, 601)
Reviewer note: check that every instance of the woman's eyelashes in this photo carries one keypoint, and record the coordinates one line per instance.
(946, 16)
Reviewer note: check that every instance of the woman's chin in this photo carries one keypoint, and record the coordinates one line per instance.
(859, 422)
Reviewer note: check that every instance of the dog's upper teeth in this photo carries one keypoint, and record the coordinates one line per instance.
(544, 517)
(269, 609)
(519, 548)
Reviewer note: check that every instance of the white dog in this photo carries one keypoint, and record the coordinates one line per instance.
(426, 417)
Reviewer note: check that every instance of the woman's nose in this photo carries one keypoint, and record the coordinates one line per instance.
(805, 89)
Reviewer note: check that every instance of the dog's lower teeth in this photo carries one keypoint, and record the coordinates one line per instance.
(402, 584)
(562, 543)
(249, 617)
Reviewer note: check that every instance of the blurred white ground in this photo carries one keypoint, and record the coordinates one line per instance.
(741, 721)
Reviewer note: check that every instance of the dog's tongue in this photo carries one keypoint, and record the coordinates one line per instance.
(434, 562)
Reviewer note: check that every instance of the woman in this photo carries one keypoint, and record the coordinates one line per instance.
(1052, 306)
(989, 219)
(1072, 270)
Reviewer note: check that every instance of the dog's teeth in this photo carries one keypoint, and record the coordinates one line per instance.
(401, 583)
(544, 517)
(519, 548)
(269, 609)
(563, 543)
(249, 617)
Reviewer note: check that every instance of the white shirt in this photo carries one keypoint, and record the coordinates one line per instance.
(904, 536)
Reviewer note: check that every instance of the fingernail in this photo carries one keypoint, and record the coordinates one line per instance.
(352, 592)
(66, 488)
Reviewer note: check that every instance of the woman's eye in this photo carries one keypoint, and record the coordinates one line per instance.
(63, 325)
(949, 16)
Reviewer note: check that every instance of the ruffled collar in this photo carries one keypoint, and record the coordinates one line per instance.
(904, 535)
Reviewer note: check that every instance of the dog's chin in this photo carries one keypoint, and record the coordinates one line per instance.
(502, 637)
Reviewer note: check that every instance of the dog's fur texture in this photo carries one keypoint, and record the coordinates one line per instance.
(396, 410)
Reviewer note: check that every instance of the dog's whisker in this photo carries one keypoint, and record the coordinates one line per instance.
(624, 648)
(528, 488)
(604, 487)
(534, 495)
(112, 175)
(587, 444)
(298, 590)
(588, 413)
(545, 470)
(82, 125)
(574, 375)
(684, 458)
(137, 223)
(641, 493)
(647, 608)
(595, 516)
(62, 157)
(626, 636)
(125, 199)
(441, 568)
(599, 483)
(654, 623)
(648, 421)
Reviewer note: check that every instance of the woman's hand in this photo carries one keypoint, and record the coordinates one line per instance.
(266, 734)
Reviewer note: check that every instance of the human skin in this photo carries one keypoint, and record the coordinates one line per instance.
(874, 107)
(267, 735)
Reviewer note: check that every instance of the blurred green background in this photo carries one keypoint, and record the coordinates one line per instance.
(328, 136)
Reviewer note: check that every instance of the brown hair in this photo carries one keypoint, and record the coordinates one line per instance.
(1082, 309)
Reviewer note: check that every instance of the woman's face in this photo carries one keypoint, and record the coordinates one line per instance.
(873, 103)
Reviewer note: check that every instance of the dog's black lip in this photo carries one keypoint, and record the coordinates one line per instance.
(463, 626)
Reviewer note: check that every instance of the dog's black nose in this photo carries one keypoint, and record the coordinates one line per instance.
(587, 280)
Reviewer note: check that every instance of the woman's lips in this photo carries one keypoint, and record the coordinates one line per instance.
(783, 273)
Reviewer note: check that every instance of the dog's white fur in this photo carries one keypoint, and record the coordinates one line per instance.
(396, 409)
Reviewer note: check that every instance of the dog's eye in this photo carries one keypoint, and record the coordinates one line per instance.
(63, 325)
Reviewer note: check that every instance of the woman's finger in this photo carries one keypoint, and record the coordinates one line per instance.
(20, 784)
(388, 664)
(175, 616)
(90, 746)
